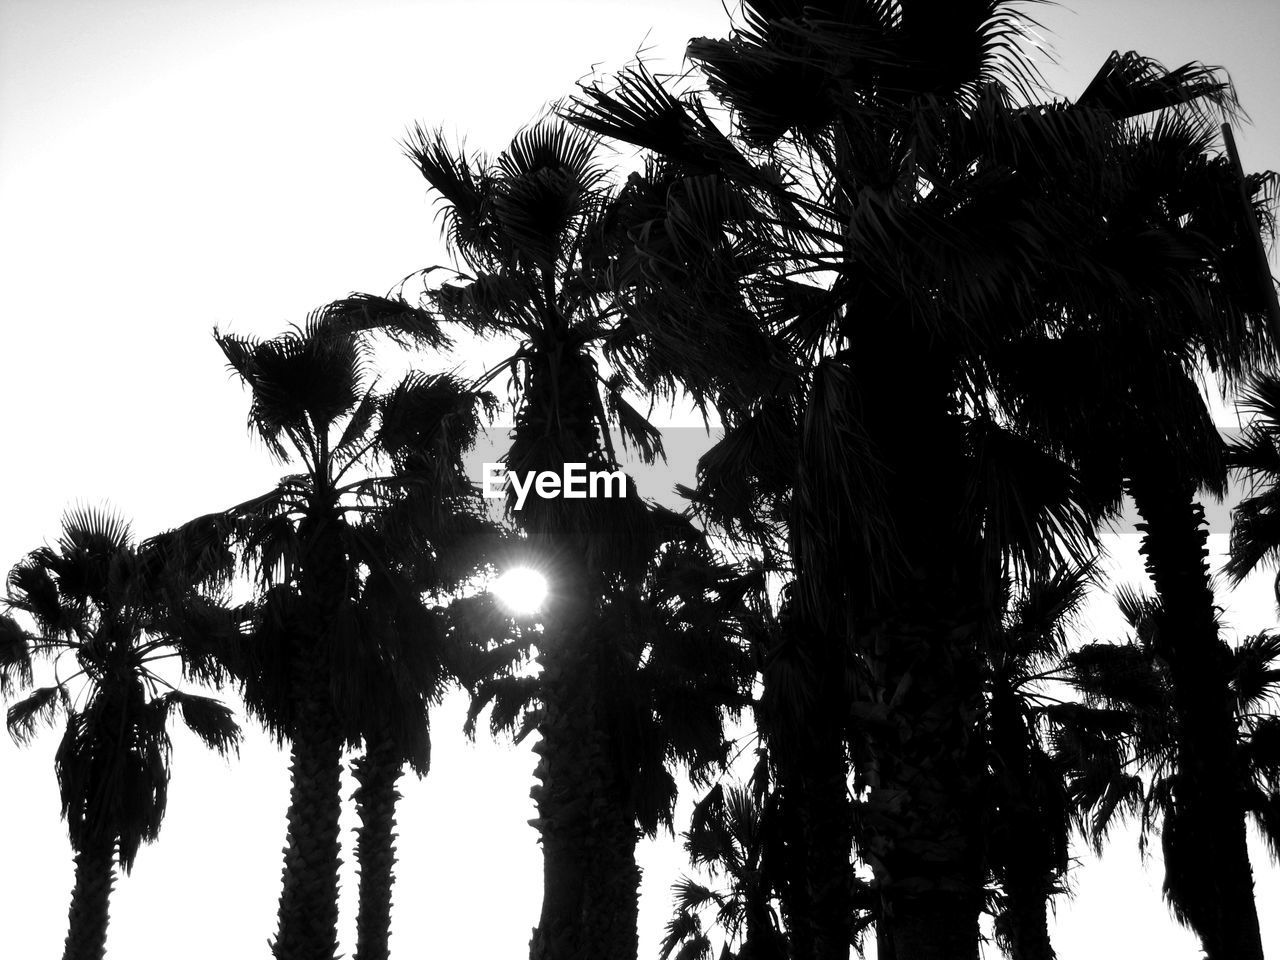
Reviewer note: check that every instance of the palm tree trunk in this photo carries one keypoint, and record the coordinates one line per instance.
(829, 846)
(308, 913)
(806, 740)
(831, 871)
(934, 927)
(917, 609)
(884, 942)
(1026, 917)
(796, 908)
(1208, 877)
(376, 773)
(612, 902)
(569, 797)
(90, 898)
(926, 801)
(307, 921)
(568, 770)
(585, 822)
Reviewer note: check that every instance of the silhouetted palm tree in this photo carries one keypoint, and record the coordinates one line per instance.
(321, 643)
(892, 217)
(531, 229)
(730, 838)
(1139, 424)
(1029, 815)
(422, 548)
(1123, 751)
(397, 667)
(103, 599)
(668, 664)
(884, 217)
(744, 837)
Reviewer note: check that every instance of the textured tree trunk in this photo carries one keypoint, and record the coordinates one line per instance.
(90, 899)
(308, 913)
(1208, 877)
(571, 772)
(377, 773)
(919, 599)
(1026, 917)
(563, 799)
(925, 802)
(829, 847)
(934, 927)
(806, 739)
(307, 921)
(585, 821)
(612, 903)
(796, 910)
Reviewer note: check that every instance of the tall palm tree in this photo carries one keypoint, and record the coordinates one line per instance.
(401, 670)
(531, 229)
(888, 214)
(892, 210)
(1139, 425)
(1123, 754)
(1028, 808)
(399, 667)
(669, 666)
(318, 638)
(406, 659)
(102, 598)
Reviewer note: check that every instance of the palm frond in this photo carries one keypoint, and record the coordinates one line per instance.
(1130, 85)
(465, 191)
(1255, 674)
(15, 655)
(395, 318)
(210, 720)
(41, 706)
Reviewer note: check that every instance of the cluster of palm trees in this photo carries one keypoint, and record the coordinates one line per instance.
(948, 325)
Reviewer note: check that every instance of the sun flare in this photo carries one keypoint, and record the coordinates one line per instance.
(521, 590)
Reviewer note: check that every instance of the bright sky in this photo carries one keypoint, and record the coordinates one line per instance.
(169, 166)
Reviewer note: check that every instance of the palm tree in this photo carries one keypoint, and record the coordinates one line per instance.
(399, 671)
(319, 639)
(102, 598)
(398, 666)
(406, 659)
(892, 218)
(1139, 425)
(1029, 822)
(1123, 752)
(669, 665)
(532, 230)
(885, 210)
(732, 836)
(749, 841)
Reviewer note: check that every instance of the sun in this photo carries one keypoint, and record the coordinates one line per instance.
(521, 590)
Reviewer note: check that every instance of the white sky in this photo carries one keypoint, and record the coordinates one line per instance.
(168, 166)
